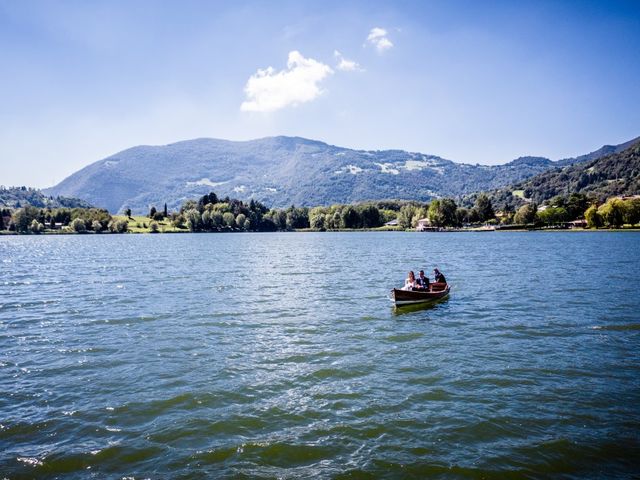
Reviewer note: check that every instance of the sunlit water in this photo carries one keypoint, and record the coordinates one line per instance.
(280, 355)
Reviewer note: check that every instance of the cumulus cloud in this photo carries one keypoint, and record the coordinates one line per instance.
(344, 64)
(268, 90)
(379, 39)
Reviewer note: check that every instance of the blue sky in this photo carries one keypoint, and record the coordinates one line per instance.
(475, 82)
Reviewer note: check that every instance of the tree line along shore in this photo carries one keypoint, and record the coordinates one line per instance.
(213, 214)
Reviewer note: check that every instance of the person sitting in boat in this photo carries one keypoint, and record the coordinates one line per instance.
(410, 282)
(439, 277)
(422, 282)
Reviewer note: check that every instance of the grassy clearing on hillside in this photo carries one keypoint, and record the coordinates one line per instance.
(518, 193)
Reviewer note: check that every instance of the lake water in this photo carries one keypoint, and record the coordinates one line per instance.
(280, 355)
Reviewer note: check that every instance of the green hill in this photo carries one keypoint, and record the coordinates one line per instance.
(615, 174)
(16, 197)
(281, 171)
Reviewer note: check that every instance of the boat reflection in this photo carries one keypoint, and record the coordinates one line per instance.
(418, 307)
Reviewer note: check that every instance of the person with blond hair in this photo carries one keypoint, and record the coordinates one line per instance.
(410, 282)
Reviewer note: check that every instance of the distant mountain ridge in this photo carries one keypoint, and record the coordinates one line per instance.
(611, 171)
(280, 171)
(15, 197)
(601, 152)
(614, 174)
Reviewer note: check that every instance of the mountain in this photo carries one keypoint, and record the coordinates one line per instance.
(280, 171)
(15, 197)
(612, 175)
(617, 173)
(601, 152)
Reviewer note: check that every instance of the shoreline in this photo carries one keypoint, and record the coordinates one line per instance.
(346, 230)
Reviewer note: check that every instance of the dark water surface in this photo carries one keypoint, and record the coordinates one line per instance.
(279, 355)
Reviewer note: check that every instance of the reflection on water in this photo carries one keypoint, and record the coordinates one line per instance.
(419, 307)
(280, 355)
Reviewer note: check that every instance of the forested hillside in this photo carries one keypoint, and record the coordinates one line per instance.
(616, 174)
(281, 171)
(16, 197)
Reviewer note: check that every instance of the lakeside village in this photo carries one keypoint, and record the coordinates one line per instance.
(213, 214)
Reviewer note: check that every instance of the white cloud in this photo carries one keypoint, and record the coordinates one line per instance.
(344, 64)
(268, 90)
(378, 38)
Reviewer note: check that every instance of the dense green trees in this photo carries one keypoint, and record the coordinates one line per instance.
(612, 212)
(442, 213)
(5, 212)
(277, 218)
(317, 220)
(338, 217)
(297, 218)
(118, 226)
(526, 214)
(484, 208)
(228, 219)
(370, 216)
(177, 220)
(23, 218)
(36, 220)
(576, 204)
(78, 226)
(553, 215)
(193, 219)
(349, 218)
(406, 215)
(188, 205)
(211, 213)
(36, 227)
(593, 218)
(632, 211)
(154, 214)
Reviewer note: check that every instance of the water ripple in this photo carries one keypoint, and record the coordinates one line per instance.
(280, 356)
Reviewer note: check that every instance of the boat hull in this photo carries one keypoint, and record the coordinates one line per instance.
(412, 297)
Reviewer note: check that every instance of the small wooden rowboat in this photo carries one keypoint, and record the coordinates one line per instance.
(438, 291)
